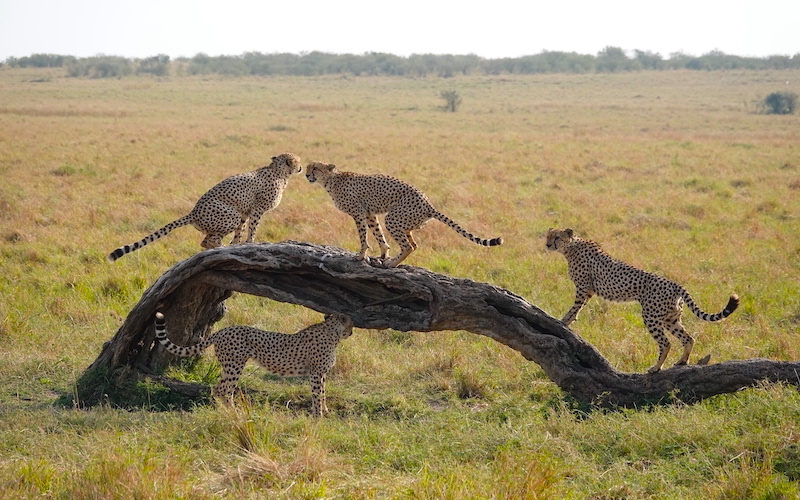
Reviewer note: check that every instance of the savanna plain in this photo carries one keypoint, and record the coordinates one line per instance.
(675, 172)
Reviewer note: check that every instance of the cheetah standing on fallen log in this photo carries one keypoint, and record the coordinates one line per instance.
(364, 197)
(229, 205)
(594, 271)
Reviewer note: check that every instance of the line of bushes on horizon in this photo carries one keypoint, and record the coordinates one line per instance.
(608, 60)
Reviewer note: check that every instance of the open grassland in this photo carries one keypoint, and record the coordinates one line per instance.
(670, 171)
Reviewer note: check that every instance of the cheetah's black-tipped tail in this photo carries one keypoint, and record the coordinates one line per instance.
(126, 249)
(733, 304)
(161, 326)
(493, 242)
(181, 351)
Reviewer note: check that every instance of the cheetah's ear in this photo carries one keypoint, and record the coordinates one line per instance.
(569, 232)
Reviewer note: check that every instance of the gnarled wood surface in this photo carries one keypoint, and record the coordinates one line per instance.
(329, 279)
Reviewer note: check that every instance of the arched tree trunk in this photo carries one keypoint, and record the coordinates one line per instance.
(328, 279)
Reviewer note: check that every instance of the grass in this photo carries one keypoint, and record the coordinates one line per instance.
(670, 171)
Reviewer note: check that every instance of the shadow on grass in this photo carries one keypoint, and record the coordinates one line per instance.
(119, 389)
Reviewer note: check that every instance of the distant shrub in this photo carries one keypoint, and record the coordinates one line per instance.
(156, 65)
(202, 64)
(451, 100)
(40, 61)
(100, 67)
(649, 60)
(613, 60)
(780, 103)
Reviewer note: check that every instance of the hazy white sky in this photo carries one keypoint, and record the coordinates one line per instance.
(491, 29)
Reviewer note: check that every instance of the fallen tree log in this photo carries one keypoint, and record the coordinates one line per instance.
(329, 279)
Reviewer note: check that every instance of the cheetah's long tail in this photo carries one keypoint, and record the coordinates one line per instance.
(733, 303)
(466, 234)
(124, 250)
(181, 351)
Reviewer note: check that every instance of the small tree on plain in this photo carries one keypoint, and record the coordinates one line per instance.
(452, 100)
(780, 103)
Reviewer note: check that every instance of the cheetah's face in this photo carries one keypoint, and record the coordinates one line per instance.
(558, 239)
(317, 170)
(341, 322)
(287, 162)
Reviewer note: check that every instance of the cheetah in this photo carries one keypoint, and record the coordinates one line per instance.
(229, 205)
(594, 271)
(310, 352)
(364, 197)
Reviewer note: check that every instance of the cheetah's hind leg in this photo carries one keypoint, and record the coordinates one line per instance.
(676, 329)
(407, 246)
(401, 233)
(237, 235)
(212, 240)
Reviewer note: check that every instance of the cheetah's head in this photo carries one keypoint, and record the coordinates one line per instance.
(342, 321)
(558, 239)
(287, 163)
(316, 170)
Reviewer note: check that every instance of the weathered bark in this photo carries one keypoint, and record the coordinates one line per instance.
(191, 309)
(328, 279)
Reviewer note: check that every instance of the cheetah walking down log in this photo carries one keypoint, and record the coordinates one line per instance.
(227, 207)
(364, 197)
(594, 271)
(310, 352)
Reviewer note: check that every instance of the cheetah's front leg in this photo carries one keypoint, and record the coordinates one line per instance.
(319, 406)
(361, 225)
(581, 298)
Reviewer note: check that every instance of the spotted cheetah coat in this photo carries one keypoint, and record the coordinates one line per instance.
(227, 207)
(595, 272)
(364, 197)
(311, 353)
